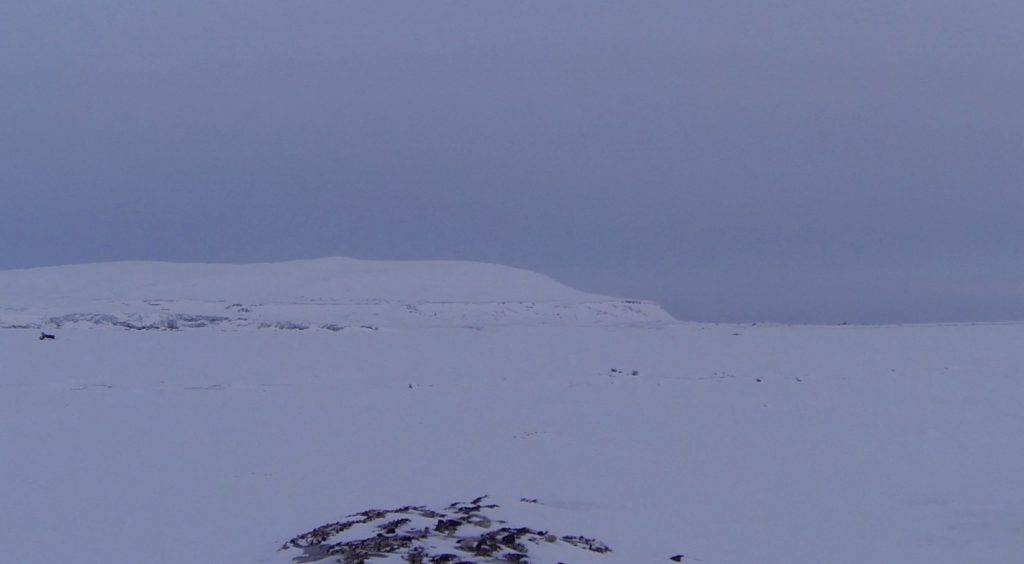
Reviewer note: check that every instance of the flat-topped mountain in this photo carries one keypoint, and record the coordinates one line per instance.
(330, 293)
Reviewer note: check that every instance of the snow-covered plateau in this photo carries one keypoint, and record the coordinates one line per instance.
(181, 417)
(332, 294)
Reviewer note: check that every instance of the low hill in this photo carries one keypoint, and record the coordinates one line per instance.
(330, 293)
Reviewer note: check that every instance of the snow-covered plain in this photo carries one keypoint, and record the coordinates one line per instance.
(723, 443)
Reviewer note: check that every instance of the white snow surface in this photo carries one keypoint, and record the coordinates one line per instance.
(335, 278)
(726, 444)
(331, 293)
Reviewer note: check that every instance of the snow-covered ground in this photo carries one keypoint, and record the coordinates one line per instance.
(726, 444)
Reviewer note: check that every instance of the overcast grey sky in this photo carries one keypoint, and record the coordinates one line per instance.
(816, 161)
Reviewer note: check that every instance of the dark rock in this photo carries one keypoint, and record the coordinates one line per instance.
(402, 532)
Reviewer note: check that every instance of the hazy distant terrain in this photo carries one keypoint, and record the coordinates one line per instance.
(349, 385)
(332, 294)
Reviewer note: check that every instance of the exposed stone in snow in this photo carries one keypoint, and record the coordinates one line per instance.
(461, 532)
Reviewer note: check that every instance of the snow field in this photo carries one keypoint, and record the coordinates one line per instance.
(729, 444)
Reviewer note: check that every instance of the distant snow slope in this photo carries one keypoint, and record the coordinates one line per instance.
(330, 293)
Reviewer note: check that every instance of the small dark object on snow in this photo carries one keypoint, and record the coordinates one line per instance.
(593, 545)
(447, 526)
(391, 527)
(46, 337)
(677, 558)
